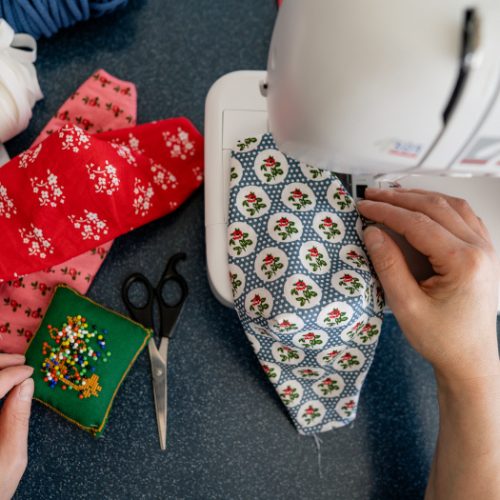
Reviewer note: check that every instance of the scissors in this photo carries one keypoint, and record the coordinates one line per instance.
(169, 315)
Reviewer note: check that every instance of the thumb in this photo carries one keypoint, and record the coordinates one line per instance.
(14, 426)
(400, 287)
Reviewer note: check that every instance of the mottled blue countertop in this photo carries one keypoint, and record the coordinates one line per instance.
(229, 436)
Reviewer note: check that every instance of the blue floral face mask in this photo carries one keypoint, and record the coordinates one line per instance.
(303, 286)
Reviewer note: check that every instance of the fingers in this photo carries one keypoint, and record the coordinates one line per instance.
(12, 376)
(484, 231)
(423, 233)
(461, 207)
(435, 205)
(14, 427)
(400, 288)
(11, 360)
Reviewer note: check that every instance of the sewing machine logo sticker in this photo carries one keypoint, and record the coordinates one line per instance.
(401, 148)
(73, 356)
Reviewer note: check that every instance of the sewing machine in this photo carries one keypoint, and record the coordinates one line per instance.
(387, 92)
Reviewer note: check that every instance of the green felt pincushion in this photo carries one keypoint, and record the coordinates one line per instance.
(81, 354)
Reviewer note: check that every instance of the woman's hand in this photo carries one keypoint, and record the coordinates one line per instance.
(450, 318)
(17, 388)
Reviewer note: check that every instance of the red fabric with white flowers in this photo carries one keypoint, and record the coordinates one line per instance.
(75, 191)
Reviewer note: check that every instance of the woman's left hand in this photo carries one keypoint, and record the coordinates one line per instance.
(16, 387)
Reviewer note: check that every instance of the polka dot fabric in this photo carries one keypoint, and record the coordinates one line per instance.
(302, 283)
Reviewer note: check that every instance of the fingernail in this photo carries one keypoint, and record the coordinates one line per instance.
(374, 238)
(372, 190)
(365, 203)
(18, 357)
(26, 390)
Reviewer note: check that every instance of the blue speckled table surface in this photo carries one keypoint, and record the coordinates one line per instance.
(229, 436)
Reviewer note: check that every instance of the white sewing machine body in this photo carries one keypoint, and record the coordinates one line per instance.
(430, 121)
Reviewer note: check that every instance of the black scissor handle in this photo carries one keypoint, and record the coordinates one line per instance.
(141, 314)
(170, 312)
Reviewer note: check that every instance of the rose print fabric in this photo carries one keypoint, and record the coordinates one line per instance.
(75, 191)
(102, 102)
(303, 287)
(24, 300)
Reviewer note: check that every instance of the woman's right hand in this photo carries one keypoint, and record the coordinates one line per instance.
(17, 388)
(451, 317)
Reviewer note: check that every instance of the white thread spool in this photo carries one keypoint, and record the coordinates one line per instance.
(19, 88)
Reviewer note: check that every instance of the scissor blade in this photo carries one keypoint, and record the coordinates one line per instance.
(159, 370)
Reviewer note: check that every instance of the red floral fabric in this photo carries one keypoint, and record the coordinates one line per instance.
(84, 190)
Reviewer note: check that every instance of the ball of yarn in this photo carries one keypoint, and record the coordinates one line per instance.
(46, 17)
(19, 89)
